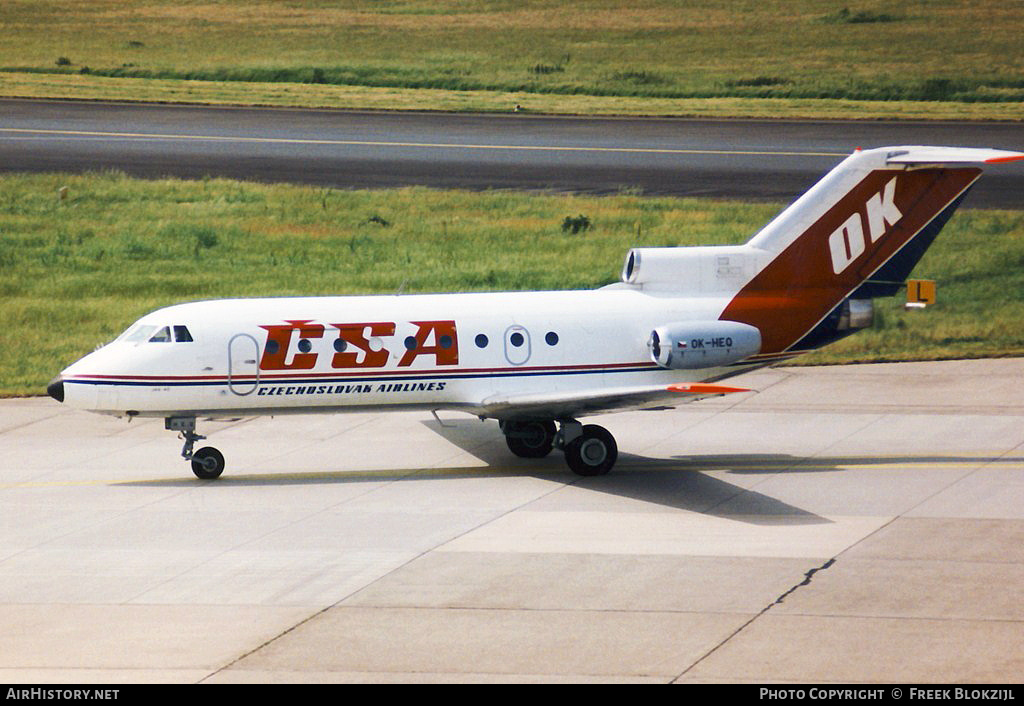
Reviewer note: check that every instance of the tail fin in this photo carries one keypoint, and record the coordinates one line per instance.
(856, 234)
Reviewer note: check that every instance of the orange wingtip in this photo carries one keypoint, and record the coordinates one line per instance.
(700, 388)
(1001, 160)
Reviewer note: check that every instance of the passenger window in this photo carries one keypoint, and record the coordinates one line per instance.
(181, 334)
(161, 336)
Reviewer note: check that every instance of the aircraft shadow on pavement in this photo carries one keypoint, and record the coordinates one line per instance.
(684, 482)
(678, 484)
(754, 464)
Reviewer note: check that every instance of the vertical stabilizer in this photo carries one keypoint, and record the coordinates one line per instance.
(856, 234)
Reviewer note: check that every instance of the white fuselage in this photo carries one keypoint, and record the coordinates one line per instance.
(789, 288)
(680, 320)
(324, 354)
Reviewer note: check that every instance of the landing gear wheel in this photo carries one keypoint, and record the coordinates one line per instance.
(530, 439)
(593, 453)
(207, 463)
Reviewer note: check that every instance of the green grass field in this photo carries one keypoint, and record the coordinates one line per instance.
(859, 58)
(76, 271)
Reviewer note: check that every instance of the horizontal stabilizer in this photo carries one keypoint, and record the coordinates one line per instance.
(949, 156)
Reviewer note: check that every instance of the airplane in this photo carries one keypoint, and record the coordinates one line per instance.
(680, 322)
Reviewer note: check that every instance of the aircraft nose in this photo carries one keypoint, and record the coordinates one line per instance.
(56, 389)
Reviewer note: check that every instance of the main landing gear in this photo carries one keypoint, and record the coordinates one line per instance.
(589, 450)
(207, 462)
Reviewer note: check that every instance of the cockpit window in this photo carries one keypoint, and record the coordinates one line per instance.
(161, 336)
(138, 333)
(156, 334)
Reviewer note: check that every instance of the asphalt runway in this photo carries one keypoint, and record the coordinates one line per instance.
(767, 160)
(842, 524)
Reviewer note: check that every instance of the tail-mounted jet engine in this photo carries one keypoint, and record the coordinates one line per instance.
(703, 344)
(855, 314)
(850, 316)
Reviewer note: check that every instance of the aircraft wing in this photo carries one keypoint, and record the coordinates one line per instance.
(563, 405)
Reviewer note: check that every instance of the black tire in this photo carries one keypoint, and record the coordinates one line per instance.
(593, 453)
(207, 463)
(530, 439)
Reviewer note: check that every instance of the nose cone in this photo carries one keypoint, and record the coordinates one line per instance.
(56, 389)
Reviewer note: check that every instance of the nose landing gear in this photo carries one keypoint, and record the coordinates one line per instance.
(207, 462)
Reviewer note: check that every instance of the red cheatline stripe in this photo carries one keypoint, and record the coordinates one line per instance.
(348, 373)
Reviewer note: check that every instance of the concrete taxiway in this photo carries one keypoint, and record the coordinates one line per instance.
(849, 524)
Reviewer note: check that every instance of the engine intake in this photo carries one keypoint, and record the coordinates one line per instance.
(703, 344)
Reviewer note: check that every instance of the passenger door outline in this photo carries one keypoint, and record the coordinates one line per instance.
(517, 355)
(243, 364)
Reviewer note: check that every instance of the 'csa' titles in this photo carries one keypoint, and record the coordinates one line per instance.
(358, 345)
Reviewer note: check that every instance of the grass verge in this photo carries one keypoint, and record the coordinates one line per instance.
(294, 95)
(792, 58)
(77, 270)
